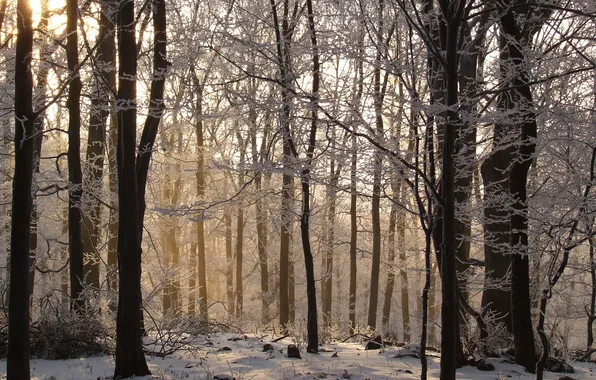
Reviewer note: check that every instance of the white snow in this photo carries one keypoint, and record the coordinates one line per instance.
(246, 360)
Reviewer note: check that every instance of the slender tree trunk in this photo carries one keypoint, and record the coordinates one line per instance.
(592, 309)
(130, 360)
(311, 291)
(389, 285)
(112, 269)
(200, 259)
(75, 175)
(239, 241)
(358, 90)
(96, 142)
(230, 263)
(284, 251)
(283, 37)
(377, 171)
(327, 282)
(17, 364)
(403, 273)
(261, 217)
(38, 126)
(291, 279)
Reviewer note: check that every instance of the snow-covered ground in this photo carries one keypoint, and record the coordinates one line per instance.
(246, 360)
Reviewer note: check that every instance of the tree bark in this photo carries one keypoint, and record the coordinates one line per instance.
(591, 311)
(99, 113)
(283, 37)
(38, 126)
(200, 259)
(389, 285)
(496, 298)
(240, 236)
(17, 364)
(75, 175)
(230, 264)
(261, 219)
(358, 90)
(378, 92)
(130, 360)
(449, 309)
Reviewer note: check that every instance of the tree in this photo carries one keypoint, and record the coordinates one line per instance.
(449, 309)
(379, 87)
(17, 365)
(311, 292)
(75, 174)
(130, 359)
(104, 82)
(284, 31)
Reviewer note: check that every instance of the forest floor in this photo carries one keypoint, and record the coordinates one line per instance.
(228, 356)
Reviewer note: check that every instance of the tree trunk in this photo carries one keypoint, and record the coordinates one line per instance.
(496, 298)
(239, 255)
(75, 175)
(403, 273)
(130, 360)
(261, 218)
(591, 311)
(230, 263)
(99, 112)
(358, 90)
(311, 291)
(524, 122)
(378, 92)
(38, 126)
(283, 37)
(388, 298)
(200, 259)
(327, 282)
(112, 269)
(17, 363)
(449, 309)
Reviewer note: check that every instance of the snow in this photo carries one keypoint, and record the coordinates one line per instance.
(246, 360)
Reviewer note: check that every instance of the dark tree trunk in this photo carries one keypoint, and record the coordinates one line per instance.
(261, 217)
(283, 37)
(524, 120)
(450, 308)
(112, 269)
(200, 259)
(75, 175)
(130, 360)
(378, 92)
(358, 89)
(229, 263)
(496, 298)
(311, 291)
(239, 262)
(156, 105)
(327, 282)
(17, 365)
(99, 113)
(389, 285)
(291, 279)
(38, 126)
(156, 110)
(591, 311)
(240, 237)
(353, 237)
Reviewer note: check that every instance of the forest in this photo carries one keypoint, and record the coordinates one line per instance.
(409, 176)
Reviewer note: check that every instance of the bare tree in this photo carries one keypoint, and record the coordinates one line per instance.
(17, 366)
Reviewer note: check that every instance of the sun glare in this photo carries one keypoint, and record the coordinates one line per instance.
(56, 12)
